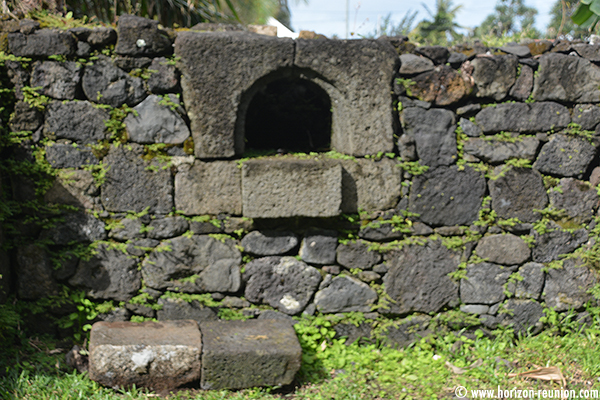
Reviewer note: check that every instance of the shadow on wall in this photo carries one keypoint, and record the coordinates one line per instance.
(285, 110)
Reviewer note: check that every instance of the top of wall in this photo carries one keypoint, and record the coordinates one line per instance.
(354, 70)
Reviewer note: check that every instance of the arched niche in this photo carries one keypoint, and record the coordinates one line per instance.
(289, 109)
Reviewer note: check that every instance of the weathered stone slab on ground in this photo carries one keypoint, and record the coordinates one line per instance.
(418, 278)
(243, 354)
(156, 355)
(291, 188)
(209, 188)
(447, 196)
(281, 282)
(370, 185)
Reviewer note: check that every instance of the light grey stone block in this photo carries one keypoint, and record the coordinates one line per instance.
(209, 188)
(156, 355)
(291, 188)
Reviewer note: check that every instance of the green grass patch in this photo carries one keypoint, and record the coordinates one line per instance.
(431, 368)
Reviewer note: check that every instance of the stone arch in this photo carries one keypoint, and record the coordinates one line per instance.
(290, 109)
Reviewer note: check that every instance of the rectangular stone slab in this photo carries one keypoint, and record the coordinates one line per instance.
(209, 188)
(157, 355)
(280, 188)
(370, 185)
(243, 354)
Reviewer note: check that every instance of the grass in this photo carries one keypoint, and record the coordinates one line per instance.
(429, 369)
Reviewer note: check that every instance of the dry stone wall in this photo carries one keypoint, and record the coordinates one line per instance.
(458, 189)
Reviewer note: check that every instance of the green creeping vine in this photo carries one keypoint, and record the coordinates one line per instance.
(32, 97)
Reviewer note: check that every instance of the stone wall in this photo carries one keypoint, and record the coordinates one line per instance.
(453, 180)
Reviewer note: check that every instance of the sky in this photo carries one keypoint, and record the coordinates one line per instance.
(328, 17)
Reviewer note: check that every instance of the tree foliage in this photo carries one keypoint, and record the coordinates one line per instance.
(167, 12)
(561, 24)
(587, 14)
(443, 28)
(509, 17)
(388, 28)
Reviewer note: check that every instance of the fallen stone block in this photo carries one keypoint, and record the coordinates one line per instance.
(243, 354)
(156, 355)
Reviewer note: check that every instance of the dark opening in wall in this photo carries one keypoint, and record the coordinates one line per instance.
(292, 114)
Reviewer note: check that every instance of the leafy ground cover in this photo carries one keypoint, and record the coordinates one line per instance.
(431, 368)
